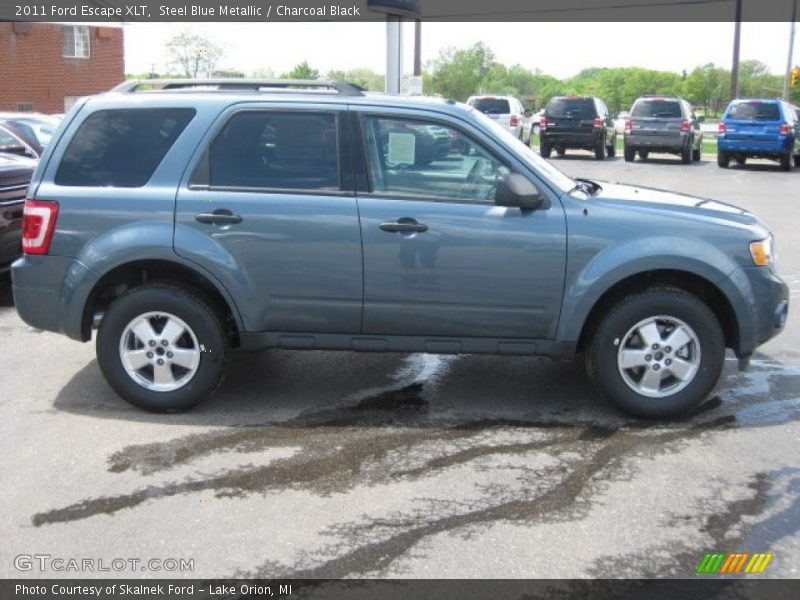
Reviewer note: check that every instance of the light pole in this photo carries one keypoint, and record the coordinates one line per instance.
(736, 35)
(791, 51)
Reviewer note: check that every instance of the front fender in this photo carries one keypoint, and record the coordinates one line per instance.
(586, 284)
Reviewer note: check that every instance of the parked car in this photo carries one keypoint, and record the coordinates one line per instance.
(13, 141)
(579, 122)
(619, 121)
(663, 124)
(15, 175)
(36, 127)
(506, 110)
(759, 128)
(333, 239)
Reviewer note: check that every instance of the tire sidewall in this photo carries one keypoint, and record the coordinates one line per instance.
(192, 311)
(605, 344)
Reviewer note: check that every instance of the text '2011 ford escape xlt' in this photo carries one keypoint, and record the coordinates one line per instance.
(188, 218)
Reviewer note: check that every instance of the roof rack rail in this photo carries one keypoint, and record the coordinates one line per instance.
(236, 84)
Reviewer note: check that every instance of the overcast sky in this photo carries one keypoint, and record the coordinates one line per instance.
(559, 49)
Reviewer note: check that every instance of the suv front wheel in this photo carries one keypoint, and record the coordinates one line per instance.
(657, 353)
(161, 348)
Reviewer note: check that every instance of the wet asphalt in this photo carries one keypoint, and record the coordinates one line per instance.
(322, 464)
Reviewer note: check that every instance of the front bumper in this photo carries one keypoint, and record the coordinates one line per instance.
(760, 300)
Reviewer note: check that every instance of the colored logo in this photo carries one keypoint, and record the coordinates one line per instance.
(722, 563)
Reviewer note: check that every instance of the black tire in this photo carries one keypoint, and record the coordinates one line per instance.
(611, 150)
(629, 153)
(686, 153)
(545, 150)
(672, 303)
(203, 323)
(696, 154)
(786, 161)
(797, 161)
(600, 150)
(723, 159)
(643, 154)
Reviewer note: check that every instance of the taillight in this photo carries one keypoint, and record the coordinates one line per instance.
(784, 129)
(628, 124)
(597, 123)
(514, 121)
(543, 123)
(38, 223)
(721, 127)
(685, 125)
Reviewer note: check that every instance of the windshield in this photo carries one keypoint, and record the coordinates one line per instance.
(755, 111)
(540, 165)
(40, 131)
(492, 106)
(665, 109)
(570, 108)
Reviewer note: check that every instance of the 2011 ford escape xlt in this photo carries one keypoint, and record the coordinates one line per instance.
(190, 218)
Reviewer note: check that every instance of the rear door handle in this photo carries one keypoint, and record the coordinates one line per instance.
(404, 225)
(221, 216)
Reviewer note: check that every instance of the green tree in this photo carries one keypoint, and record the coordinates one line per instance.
(366, 78)
(708, 86)
(301, 71)
(193, 53)
(459, 73)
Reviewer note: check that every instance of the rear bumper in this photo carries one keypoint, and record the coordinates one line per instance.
(673, 142)
(571, 139)
(754, 147)
(38, 284)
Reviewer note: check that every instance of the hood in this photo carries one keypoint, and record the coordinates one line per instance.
(645, 197)
(16, 161)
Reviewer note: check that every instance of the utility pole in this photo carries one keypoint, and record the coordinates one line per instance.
(394, 53)
(418, 47)
(791, 52)
(736, 35)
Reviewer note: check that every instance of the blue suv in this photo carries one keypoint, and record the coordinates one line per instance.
(190, 220)
(755, 128)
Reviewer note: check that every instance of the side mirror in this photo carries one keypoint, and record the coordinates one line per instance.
(516, 190)
(701, 119)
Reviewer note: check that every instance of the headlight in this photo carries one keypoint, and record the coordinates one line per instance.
(763, 252)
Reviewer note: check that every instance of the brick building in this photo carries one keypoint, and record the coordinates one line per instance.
(46, 67)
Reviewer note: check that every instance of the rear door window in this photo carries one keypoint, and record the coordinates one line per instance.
(754, 111)
(121, 147)
(657, 108)
(493, 106)
(276, 150)
(571, 108)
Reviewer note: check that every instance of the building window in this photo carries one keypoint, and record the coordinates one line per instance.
(75, 42)
(25, 107)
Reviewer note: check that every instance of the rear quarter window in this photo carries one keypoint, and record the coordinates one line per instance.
(754, 111)
(121, 147)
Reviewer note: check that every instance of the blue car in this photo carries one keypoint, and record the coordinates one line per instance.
(756, 128)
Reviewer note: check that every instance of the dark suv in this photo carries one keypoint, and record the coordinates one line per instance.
(580, 122)
(211, 215)
(663, 124)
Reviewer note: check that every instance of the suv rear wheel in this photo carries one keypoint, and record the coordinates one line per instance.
(600, 150)
(611, 150)
(657, 353)
(723, 159)
(786, 161)
(545, 150)
(629, 153)
(161, 348)
(686, 153)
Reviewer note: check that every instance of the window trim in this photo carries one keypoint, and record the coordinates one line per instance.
(370, 193)
(203, 162)
(74, 29)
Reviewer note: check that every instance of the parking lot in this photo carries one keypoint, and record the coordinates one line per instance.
(325, 464)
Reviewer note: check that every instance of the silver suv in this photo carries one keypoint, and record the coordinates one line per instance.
(663, 124)
(507, 111)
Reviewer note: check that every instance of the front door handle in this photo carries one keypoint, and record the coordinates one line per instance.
(404, 225)
(221, 216)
